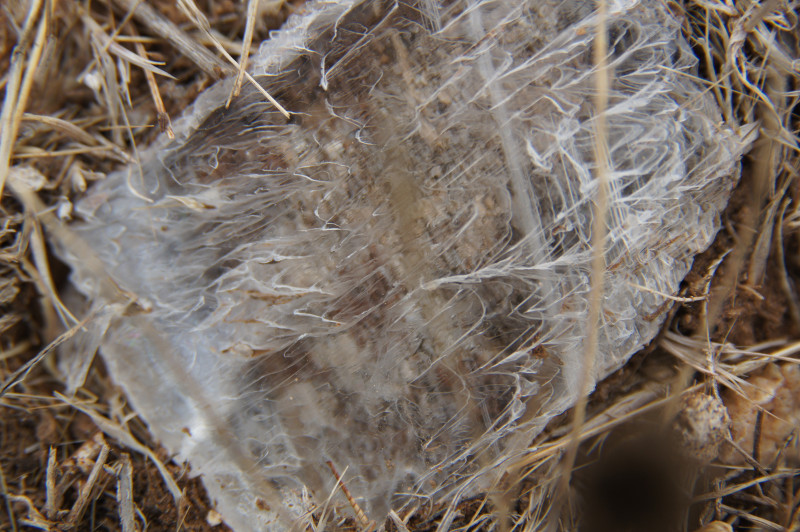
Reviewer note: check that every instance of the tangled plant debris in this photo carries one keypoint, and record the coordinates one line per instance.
(384, 297)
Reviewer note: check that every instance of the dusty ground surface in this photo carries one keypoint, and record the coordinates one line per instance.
(61, 469)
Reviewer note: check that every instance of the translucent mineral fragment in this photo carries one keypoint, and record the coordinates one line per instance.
(395, 279)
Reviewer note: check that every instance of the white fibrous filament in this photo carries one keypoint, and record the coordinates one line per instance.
(394, 279)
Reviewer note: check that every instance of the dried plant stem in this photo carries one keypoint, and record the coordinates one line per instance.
(765, 156)
(255, 83)
(11, 517)
(599, 231)
(39, 251)
(362, 518)
(125, 494)
(252, 9)
(20, 78)
(83, 498)
(791, 296)
(122, 435)
(18, 349)
(677, 299)
(164, 28)
(202, 24)
(397, 521)
(71, 130)
(50, 507)
(20, 374)
(164, 123)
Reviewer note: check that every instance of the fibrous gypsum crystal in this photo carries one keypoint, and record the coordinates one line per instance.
(395, 279)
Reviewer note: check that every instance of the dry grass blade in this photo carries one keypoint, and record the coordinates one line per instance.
(646, 401)
(599, 231)
(164, 123)
(202, 24)
(322, 520)
(38, 153)
(108, 44)
(164, 28)
(702, 359)
(252, 9)
(71, 130)
(101, 76)
(668, 296)
(20, 78)
(39, 251)
(734, 488)
(20, 374)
